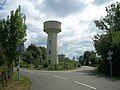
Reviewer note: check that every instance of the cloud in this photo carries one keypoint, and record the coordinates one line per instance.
(100, 2)
(35, 38)
(74, 48)
(77, 37)
(76, 16)
(61, 8)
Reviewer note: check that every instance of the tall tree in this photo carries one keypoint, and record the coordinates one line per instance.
(12, 33)
(86, 57)
(110, 39)
(81, 60)
(35, 55)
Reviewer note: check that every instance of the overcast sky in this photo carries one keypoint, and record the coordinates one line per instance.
(76, 16)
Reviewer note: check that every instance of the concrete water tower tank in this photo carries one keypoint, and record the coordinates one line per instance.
(52, 28)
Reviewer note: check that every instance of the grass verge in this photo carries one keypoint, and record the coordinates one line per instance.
(23, 84)
(100, 74)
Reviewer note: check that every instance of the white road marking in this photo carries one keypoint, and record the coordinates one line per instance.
(44, 73)
(60, 77)
(85, 84)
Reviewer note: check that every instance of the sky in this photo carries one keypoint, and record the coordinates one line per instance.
(77, 18)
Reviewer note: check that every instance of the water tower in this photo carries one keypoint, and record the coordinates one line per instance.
(52, 28)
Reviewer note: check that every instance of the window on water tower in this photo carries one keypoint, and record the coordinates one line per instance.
(49, 52)
(50, 41)
(49, 61)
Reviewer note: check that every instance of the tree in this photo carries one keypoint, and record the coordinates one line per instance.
(81, 60)
(2, 57)
(73, 58)
(109, 39)
(12, 33)
(27, 58)
(86, 57)
(35, 55)
(89, 58)
(43, 51)
(43, 54)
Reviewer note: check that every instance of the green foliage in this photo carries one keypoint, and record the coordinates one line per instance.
(110, 39)
(23, 84)
(37, 61)
(28, 57)
(66, 64)
(89, 58)
(12, 33)
(45, 65)
(21, 62)
(53, 67)
(2, 57)
(81, 60)
(35, 56)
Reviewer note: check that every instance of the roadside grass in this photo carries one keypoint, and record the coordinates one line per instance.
(23, 84)
(1, 87)
(54, 67)
(99, 74)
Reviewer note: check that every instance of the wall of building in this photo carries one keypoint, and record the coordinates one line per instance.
(52, 48)
(52, 28)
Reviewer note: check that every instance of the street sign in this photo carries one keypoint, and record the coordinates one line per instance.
(109, 55)
(109, 58)
(20, 47)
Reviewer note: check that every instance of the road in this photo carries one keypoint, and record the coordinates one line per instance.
(80, 79)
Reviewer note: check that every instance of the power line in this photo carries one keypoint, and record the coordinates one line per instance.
(61, 40)
(68, 42)
(35, 32)
(2, 4)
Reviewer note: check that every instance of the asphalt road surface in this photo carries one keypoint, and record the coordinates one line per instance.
(80, 79)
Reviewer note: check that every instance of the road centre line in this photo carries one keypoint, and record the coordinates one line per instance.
(60, 77)
(44, 73)
(74, 81)
(84, 84)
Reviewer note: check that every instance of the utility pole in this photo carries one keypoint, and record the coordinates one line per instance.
(110, 59)
(19, 49)
(18, 68)
(2, 4)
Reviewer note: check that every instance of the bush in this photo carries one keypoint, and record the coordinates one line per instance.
(79, 65)
(26, 66)
(56, 67)
(45, 65)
